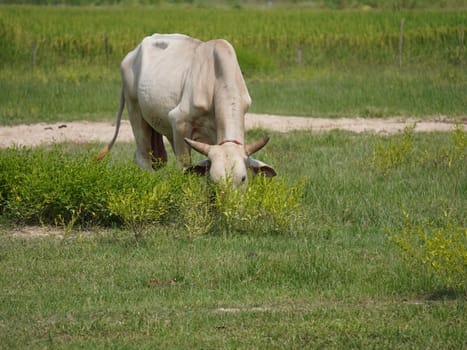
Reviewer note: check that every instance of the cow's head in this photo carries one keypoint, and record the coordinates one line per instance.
(230, 160)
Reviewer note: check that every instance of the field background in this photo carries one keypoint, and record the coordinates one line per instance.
(61, 63)
(333, 275)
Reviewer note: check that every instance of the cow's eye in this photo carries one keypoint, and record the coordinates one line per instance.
(243, 178)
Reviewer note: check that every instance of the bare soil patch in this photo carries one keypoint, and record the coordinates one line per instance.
(84, 131)
(36, 231)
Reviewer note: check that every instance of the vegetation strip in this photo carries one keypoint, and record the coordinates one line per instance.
(348, 67)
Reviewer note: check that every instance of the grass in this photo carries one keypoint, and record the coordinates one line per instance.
(333, 279)
(336, 281)
(62, 96)
(368, 93)
(348, 67)
(231, 292)
(48, 97)
(426, 176)
(124, 194)
(319, 4)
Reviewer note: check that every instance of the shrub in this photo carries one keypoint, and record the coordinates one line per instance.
(387, 156)
(139, 209)
(442, 249)
(403, 150)
(48, 186)
(55, 187)
(266, 206)
(195, 208)
(458, 153)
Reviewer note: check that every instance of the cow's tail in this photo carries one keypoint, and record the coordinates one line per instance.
(107, 148)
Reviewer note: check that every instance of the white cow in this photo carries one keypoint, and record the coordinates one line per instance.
(193, 93)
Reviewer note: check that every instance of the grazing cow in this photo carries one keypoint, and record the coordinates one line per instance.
(194, 94)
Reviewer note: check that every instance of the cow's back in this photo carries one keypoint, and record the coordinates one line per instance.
(161, 65)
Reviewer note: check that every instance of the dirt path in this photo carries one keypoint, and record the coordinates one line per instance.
(82, 131)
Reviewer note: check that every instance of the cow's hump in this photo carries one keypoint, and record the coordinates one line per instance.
(164, 41)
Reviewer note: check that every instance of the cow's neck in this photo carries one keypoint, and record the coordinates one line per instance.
(230, 118)
(229, 107)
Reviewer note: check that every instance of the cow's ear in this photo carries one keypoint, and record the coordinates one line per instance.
(260, 168)
(200, 168)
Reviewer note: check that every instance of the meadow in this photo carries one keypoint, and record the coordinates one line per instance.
(61, 63)
(333, 276)
(360, 242)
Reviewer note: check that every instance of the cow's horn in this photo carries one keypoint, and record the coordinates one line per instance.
(256, 145)
(201, 147)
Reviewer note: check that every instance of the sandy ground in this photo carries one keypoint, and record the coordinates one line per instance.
(83, 131)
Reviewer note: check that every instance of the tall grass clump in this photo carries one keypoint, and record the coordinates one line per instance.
(140, 209)
(50, 187)
(442, 249)
(55, 187)
(402, 151)
(59, 187)
(265, 206)
(439, 241)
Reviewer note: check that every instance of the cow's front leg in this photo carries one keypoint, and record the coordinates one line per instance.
(180, 130)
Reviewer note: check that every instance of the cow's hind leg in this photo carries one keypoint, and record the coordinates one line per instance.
(143, 135)
(159, 154)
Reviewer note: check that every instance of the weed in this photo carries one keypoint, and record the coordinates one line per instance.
(339, 284)
(390, 155)
(195, 208)
(139, 209)
(459, 145)
(443, 249)
(52, 187)
(48, 186)
(402, 150)
(267, 205)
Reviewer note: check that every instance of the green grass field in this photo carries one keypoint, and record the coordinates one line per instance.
(333, 279)
(61, 63)
(360, 242)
